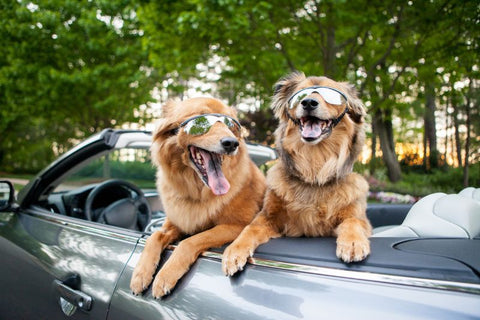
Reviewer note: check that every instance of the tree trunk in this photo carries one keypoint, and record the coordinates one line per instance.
(467, 141)
(329, 47)
(383, 128)
(447, 127)
(425, 148)
(430, 128)
(373, 160)
(458, 143)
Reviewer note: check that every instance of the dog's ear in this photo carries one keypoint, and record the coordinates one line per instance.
(282, 90)
(356, 108)
(169, 107)
(165, 127)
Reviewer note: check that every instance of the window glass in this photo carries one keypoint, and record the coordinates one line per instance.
(130, 164)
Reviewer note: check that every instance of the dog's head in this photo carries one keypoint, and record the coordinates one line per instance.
(315, 105)
(200, 134)
(321, 129)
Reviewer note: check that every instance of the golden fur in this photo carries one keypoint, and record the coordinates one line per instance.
(312, 191)
(190, 205)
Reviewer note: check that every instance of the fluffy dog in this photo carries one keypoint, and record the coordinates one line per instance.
(209, 186)
(312, 191)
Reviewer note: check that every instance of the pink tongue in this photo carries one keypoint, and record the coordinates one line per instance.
(216, 180)
(311, 129)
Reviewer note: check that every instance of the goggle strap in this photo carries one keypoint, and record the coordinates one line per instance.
(339, 118)
(295, 121)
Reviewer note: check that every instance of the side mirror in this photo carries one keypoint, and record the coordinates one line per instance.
(7, 195)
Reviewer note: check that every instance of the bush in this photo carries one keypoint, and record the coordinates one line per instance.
(128, 170)
(419, 184)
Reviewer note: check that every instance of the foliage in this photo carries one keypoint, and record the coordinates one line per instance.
(419, 184)
(127, 170)
(70, 68)
(67, 69)
(390, 50)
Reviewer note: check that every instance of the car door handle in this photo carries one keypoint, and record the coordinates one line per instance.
(77, 298)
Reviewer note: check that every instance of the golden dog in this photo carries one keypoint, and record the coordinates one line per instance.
(312, 191)
(209, 186)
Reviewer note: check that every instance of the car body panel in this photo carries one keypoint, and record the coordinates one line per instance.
(38, 249)
(266, 292)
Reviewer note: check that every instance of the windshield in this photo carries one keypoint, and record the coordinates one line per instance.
(130, 164)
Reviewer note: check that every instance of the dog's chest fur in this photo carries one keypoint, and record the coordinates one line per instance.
(189, 214)
(310, 209)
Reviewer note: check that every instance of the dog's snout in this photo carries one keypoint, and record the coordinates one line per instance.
(309, 104)
(229, 144)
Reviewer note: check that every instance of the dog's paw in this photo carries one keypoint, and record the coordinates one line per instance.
(141, 278)
(353, 251)
(139, 283)
(234, 259)
(162, 285)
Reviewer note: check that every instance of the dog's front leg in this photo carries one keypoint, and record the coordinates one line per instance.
(187, 252)
(236, 255)
(150, 258)
(352, 239)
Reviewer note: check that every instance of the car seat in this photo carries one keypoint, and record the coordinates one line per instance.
(440, 215)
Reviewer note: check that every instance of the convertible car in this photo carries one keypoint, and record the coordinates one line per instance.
(70, 239)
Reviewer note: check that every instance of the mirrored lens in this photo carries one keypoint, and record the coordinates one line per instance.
(331, 96)
(198, 126)
(201, 124)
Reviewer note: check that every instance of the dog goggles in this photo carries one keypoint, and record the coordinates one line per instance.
(330, 95)
(202, 123)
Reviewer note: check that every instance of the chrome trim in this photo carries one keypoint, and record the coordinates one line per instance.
(82, 226)
(471, 288)
(358, 275)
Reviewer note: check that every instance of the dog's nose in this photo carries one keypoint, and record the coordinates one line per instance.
(229, 144)
(309, 104)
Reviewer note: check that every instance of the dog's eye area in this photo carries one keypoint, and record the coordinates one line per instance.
(228, 122)
(172, 132)
(330, 95)
(198, 126)
(201, 124)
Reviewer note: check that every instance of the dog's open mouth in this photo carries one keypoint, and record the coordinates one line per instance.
(209, 168)
(312, 128)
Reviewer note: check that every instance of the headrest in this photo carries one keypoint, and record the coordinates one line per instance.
(439, 215)
(471, 192)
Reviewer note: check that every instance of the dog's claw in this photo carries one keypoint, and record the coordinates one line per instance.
(162, 286)
(140, 280)
(233, 261)
(353, 251)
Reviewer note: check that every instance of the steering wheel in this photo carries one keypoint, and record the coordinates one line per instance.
(132, 213)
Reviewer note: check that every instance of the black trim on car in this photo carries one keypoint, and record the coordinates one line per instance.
(38, 186)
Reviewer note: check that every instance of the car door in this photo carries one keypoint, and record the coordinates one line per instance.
(301, 278)
(56, 267)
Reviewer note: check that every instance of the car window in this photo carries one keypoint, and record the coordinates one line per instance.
(130, 164)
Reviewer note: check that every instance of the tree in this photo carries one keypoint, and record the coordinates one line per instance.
(261, 42)
(67, 70)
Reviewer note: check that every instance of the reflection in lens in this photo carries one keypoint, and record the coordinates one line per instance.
(330, 96)
(198, 126)
(201, 124)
